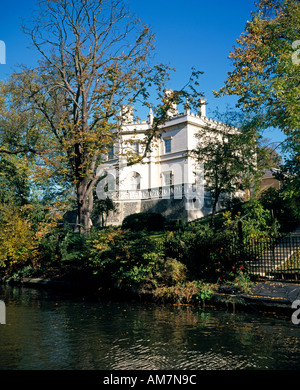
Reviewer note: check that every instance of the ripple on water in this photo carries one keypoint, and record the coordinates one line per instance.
(52, 331)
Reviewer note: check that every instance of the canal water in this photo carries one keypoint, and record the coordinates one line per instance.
(50, 330)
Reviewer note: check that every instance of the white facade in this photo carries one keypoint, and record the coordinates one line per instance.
(168, 180)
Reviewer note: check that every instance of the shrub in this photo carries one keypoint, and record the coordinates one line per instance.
(144, 221)
(123, 258)
(256, 222)
(29, 238)
(286, 211)
(205, 291)
(182, 293)
(241, 281)
(72, 247)
(172, 272)
(17, 239)
(185, 291)
(172, 283)
(191, 248)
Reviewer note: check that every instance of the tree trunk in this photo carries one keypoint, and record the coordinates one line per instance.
(84, 207)
(214, 208)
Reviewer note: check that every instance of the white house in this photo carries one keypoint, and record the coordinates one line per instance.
(168, 180)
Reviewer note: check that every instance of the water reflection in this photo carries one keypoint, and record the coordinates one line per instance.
(48, 330)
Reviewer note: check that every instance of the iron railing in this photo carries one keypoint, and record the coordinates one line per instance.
(273, 257)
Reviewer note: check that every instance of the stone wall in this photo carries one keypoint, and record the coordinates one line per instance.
(171, 209)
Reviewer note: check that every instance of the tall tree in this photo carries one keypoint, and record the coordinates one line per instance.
(95, 59)
(266, 78)
(266, 67)
(228, 154)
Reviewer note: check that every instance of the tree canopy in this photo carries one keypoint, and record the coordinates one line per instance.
(266, 70)
(229, 154)
(266, 79)
(95, 58)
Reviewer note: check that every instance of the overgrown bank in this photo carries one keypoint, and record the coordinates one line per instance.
(181, 264)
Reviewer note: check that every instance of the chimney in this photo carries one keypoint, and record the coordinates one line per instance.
(187, 108)
(150, 116)
(202, 107)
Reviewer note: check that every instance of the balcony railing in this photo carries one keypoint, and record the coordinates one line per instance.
(177, 191)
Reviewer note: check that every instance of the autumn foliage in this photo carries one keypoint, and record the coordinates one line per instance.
(21, 235)
(266, 73)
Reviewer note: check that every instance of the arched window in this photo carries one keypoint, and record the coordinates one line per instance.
(133, 181)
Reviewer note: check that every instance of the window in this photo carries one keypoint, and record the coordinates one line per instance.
(132, 147)
(136, 181)
(167, 178)
(136, 147)
(111, 152)
(167, 145)
(133, 181)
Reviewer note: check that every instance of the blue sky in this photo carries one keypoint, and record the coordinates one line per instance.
(191, 33)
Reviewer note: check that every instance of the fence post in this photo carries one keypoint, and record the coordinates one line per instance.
(240, 231)
(240, 237)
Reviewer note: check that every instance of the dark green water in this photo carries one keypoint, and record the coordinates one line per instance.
(50, 330)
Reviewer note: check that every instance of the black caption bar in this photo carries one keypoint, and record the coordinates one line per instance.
(97, 379)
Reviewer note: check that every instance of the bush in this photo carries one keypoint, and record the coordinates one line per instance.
(257, 222)
(285, 210)
(72, 247)
(144, 221)
(23, 233)
(172, 272)
(17, 239)
(124, 259)
(181, 293)
(191, 248)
